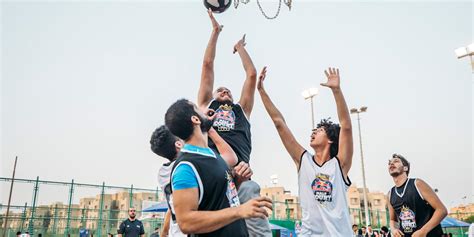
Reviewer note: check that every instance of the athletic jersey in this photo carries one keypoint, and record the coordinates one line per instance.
(232, 125)
(412, 211)
(217, 190)
(164, 179)
(322, 191)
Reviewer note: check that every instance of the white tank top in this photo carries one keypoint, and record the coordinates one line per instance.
(322, 191)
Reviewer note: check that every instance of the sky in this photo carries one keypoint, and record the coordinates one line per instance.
(84, 84)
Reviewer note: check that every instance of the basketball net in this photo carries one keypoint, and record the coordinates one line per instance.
(287, 3)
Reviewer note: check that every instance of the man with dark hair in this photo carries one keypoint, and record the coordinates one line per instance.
(355, 231)
(231, 120)
(167, 145)
(323, 177)
(384, 232)
(131, 227)
(204, 194)
(413, 205)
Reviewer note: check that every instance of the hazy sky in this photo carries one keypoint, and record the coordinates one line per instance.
(84, 84)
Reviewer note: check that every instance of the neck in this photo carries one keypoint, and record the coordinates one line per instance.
(199, 140)
(132, 219)
(321, 154)
(400, 179)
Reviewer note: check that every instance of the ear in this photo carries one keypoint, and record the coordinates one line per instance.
(195, 119)
(405, 168)
(178, 144)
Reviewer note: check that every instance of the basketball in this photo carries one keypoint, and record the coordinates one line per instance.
(217, 6)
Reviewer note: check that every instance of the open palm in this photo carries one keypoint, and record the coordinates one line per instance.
(261, 78)
(332, 75)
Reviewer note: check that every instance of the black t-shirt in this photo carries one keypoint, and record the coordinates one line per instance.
(217, 192)
(232, 125)
(131, 228)
(412, 211)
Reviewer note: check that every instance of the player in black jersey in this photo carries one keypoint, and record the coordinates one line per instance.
(415, 209)
(204, 195)
(231, 121)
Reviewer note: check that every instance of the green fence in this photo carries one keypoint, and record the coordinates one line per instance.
(63, 208)
(57, 209)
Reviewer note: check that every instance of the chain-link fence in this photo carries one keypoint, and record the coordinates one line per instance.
(65, 208)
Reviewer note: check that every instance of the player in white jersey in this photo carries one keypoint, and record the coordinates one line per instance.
(322, 177)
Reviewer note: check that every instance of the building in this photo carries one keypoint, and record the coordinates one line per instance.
(285, 205)
(377, 204)
(462, 212)
(53, 218)
(48, 218)
(114, 210)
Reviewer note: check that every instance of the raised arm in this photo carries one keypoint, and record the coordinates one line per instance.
(248, 90)
(292, 146)
(207, 74)
(440, 210)
(345, 136)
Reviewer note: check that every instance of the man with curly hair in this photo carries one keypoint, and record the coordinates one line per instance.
(322, 176)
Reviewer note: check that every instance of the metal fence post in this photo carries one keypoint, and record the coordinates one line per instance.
(68, 221)
(23, 217)
(130, 204)
(33, 208)
(101, 208)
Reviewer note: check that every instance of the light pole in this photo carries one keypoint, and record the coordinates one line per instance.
(309, 94)
(466, 51)
(366, 206)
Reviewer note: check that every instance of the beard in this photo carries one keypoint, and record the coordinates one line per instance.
(206, 124)
(225, 101)
(396, 173)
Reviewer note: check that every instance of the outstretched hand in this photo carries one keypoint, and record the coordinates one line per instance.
(261, 78)
(240, 44)
(332, 75)
(215, 25)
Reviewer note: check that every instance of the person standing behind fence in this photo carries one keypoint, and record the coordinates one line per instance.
(131, 227)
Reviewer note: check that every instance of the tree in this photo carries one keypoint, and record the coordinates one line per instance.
(469, 219)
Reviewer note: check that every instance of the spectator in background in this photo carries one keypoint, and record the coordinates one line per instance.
(131, 227)
(384, 232)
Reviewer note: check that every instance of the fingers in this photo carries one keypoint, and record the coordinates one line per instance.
(209, 12)
(324, 84)
(263, 73)
(264, 201)
(247, 173)
(261, 212)
(211, 114)
(331, 71)
(241, 169)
